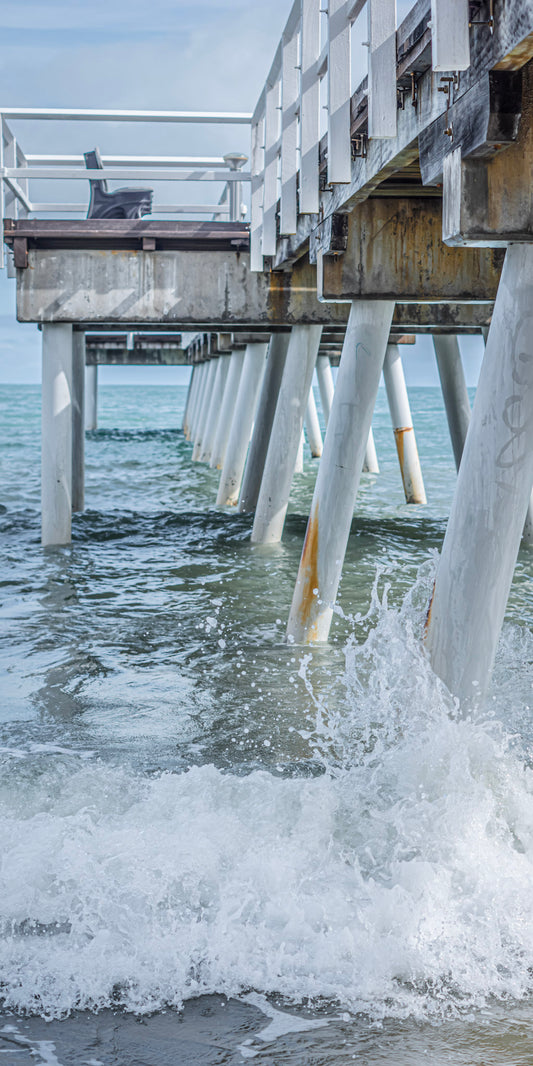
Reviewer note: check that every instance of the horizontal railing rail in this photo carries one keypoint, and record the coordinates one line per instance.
(21, 172)
(312, 79)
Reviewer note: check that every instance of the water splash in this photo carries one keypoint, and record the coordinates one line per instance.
(398, 883)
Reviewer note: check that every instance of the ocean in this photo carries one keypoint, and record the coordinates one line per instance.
(216, 846)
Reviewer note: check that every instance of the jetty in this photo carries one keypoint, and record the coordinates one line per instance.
(388, 196)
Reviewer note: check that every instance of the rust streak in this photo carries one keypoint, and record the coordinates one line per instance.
(309, 572)
(428, 614)
(399, 435)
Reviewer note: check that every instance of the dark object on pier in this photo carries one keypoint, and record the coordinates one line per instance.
(123, 203)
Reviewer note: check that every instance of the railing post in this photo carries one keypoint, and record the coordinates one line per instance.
(258, 178)
(289, 133)
(450, 41)
(270, 200)
(382, 103)
(310, 108)
(339, 143)
(2, 190)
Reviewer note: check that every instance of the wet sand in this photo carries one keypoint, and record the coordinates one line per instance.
(213, 1030)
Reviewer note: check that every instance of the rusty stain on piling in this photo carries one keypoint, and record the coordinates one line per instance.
(413, 487)
(309, 572)
(399, 434)
(429, 610)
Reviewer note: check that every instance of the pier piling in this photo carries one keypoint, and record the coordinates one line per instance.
(340, 469)
(202, 423)
(492, 494)
(325, 385)
(454, 391)
(91, 397)
(78, 420)
(56, 439)
(266, 409)
(242, 425)
(312, 426)
(221, 373)
(286, 433)
(402, 425)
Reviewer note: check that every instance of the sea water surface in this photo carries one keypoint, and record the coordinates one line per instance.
(216, 846)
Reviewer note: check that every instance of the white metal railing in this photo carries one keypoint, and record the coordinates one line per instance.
(313, 62)
(311, 76)
(18, 169)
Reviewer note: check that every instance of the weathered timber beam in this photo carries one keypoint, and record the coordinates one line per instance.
(507, 49)
(118, 234)
(394, 250)
(489, 202)
(481, 122)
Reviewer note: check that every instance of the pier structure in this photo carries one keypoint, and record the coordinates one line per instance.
(396, 200)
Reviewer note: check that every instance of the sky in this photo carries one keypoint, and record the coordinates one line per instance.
(161, 54)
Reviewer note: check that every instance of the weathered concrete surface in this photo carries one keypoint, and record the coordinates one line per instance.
(104, 355)
(491, 497)
(188, 287)
(56, 435)
(394, 250)
(454, 392)
(339, 472)
(207, 290)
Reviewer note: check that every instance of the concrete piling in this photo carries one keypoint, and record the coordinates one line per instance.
(340, 469)
(325, 385)
(312, 426)
(266, 409)
(370, 463)
(299, 464)
(91, 397)
(402, 425)
(454, 391)
(227, 409)
(193, 381)
(204, 367)
(56, 440)
(492, 494)
(221, 373)
(242, 424)
(204, 413)
(78, 420)
(285, 437)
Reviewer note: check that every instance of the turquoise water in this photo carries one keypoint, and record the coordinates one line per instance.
(190, 807)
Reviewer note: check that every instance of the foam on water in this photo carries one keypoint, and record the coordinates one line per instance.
(399, 882)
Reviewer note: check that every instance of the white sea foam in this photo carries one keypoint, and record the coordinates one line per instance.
(398, 882)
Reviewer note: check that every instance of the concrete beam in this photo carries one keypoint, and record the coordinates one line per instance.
(394, 250)
(217, 288)
(101, 355)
